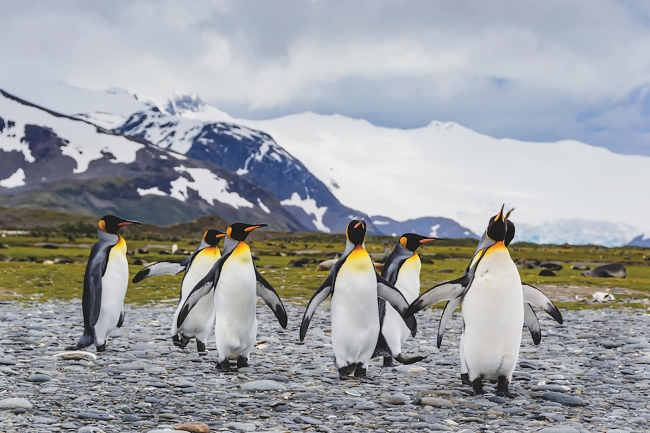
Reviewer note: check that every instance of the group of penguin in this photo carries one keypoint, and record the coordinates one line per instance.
(372, 315)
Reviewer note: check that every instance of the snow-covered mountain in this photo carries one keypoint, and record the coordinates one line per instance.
(52, 160)
(255, 156)
(82, 162)
(322, 170)
(563, 192)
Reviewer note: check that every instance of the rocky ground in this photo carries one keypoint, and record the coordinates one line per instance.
(589, 375)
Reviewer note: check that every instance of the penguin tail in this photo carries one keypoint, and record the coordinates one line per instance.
(86, 339)
(382, 347)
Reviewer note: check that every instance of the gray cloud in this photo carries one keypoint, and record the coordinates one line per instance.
(531, 70)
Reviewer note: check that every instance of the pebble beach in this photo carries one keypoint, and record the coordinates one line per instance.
(591, 374)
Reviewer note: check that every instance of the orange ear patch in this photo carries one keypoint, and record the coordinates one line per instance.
(402, 241)
(229, 231)
(102, 225)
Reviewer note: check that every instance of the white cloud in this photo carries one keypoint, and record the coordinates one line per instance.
(507, 68)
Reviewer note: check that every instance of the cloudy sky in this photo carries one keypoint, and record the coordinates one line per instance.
(530, 70)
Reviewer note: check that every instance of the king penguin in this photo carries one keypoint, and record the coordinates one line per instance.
(198, 323)
(402, 269)
(105, 283)
(354, 285)
(234, 281)
(495, 304)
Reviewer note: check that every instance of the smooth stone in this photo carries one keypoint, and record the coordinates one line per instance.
(436, 402)
(90, 429)
(561, 429)
(193, 427)
(38, 377)
(131, 418)
(12, 403)
(306, 420)
(44, 420)
(564, 399)
(241, 426)
(439, 427)
(262, 385)
(637, 420)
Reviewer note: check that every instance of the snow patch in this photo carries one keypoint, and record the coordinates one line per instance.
(103, 120)
(151, 191)
(434, 231)
(264, 208)
(310, 208)
(84, 144)
(15, 180)
(208, 185)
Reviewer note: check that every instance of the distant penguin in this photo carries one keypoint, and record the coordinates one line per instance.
(354, 285)
(402, 269)
(493, 310)
(105, 283)
(200, 320)
(234, 281)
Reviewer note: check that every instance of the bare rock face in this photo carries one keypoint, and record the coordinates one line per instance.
(616, 270)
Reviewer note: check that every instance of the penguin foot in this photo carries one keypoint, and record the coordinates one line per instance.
(200, 347)
(388, 361)
(360, 372)
(178, 342)
(502, 388)
(101, 348)
(224, 366)
(343, 373)
(242, 362)
(409, 359)
(465, 379)
(477, 386)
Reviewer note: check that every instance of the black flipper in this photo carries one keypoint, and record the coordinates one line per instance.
(441, 292)
(169, 267)
(319, 296)
(201, 289)
(120, 322)
(530, 319)
(270, 296)
(395, 298)
(536, 298)
(450, 307)
(91, 300)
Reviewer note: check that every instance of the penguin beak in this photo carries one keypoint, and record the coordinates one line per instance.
(360, 223)
(128, 223)
(509, 212)
(255, 227)
(500, 215)
(425, 240)
(220, 235)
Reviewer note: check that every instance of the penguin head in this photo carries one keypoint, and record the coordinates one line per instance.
(212, 237)
(111, 224)
(356, 231)
(240, 231)
(412, 241)
(497, 227)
